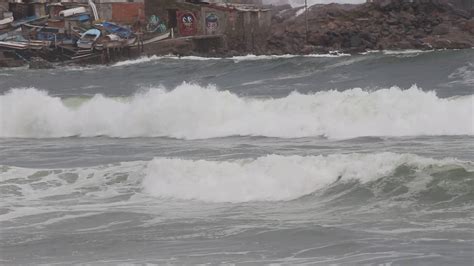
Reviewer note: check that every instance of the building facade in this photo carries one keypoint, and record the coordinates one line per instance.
(119, 11)
(245, 27)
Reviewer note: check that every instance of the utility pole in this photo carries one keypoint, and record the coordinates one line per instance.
(306, 19)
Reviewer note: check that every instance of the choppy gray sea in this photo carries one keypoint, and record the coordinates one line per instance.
(363, 159)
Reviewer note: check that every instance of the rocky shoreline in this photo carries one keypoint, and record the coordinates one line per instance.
(358, 28)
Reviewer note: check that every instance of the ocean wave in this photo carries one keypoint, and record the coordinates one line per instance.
(267, 178)
(405, 52)
(194, 112)
(236, 59)
(463, 75)
(270, 178)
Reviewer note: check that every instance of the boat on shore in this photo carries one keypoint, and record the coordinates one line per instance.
(6, 22)
(88, 39)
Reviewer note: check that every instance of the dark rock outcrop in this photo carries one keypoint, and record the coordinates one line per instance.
(386, 25)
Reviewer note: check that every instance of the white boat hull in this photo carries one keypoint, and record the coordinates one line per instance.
(5, 23)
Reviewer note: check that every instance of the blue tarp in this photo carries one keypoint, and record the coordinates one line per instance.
(118, 30)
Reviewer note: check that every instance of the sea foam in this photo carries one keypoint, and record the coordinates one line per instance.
(272, 177)
(194, 112)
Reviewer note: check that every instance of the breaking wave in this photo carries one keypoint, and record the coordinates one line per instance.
(463, 75)
(271, 178)
(235, 59)
(268, 178)
(194, 112)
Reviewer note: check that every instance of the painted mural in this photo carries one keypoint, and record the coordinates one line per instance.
(187, 23)
(155, 24)
(212, 23)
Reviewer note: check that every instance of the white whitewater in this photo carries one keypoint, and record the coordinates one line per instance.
(194, 112)
(236, 59)
(270, 178)
(267, 178)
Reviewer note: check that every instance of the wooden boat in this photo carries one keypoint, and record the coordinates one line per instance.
(88, 39)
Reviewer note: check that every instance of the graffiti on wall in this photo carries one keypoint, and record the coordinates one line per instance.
(187, 23)
(212, 23)
(155, 24)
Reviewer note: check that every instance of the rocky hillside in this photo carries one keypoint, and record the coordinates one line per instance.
(356, 28)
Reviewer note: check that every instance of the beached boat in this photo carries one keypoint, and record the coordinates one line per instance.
(6, 22)
(88, 39)
(72, 12)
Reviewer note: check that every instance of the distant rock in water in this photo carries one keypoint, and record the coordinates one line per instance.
(372, 26)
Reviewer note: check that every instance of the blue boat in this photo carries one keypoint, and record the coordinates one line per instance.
(88, 39)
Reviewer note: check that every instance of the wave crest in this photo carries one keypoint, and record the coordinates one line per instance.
(194, 112)
(332, 179)
(273, 177)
